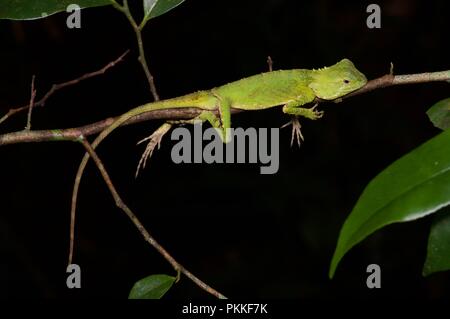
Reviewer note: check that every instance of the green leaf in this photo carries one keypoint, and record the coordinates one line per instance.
(439, 114)
(438, 252)
(154, 8)
(151, 287)
(414, 186)
(35, 9)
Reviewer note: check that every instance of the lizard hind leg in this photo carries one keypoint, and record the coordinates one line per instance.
(296, 131)
(154, 140)
(221, 124)
(223, 127)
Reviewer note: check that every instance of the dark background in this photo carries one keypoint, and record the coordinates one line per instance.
(246, 234)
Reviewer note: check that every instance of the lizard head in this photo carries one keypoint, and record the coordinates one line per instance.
(337, 80)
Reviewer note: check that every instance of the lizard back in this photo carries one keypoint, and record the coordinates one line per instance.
(266, 90)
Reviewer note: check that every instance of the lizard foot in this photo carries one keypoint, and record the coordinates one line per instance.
(296, 131)
(154, 140)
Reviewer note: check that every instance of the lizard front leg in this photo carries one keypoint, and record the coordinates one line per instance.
(310, 113)
(293, 109)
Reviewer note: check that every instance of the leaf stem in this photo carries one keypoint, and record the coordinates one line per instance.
(137, 30)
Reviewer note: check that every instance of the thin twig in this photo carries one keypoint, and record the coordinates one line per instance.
(149, 238)
(59, 86)
(189, 113)
(30, 107)
(270, 63)
(143, 61)
(391, 80)
(138, 31)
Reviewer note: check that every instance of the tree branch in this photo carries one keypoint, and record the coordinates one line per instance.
(59, 86)
(189, 113)
(30, 107)
(391, 80)
(70, 134)
(148, 238)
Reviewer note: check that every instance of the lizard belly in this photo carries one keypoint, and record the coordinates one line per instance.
(258, 99)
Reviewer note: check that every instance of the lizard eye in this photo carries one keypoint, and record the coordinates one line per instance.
(346, 81)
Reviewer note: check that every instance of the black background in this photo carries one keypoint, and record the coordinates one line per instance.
(248, 235)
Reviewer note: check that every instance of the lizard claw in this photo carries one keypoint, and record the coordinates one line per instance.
(316, 114)
(296, 131)
(154, 140)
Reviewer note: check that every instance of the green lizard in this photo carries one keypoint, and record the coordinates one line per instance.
(290, 88)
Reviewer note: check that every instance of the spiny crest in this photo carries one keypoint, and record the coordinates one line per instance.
(320, 69)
